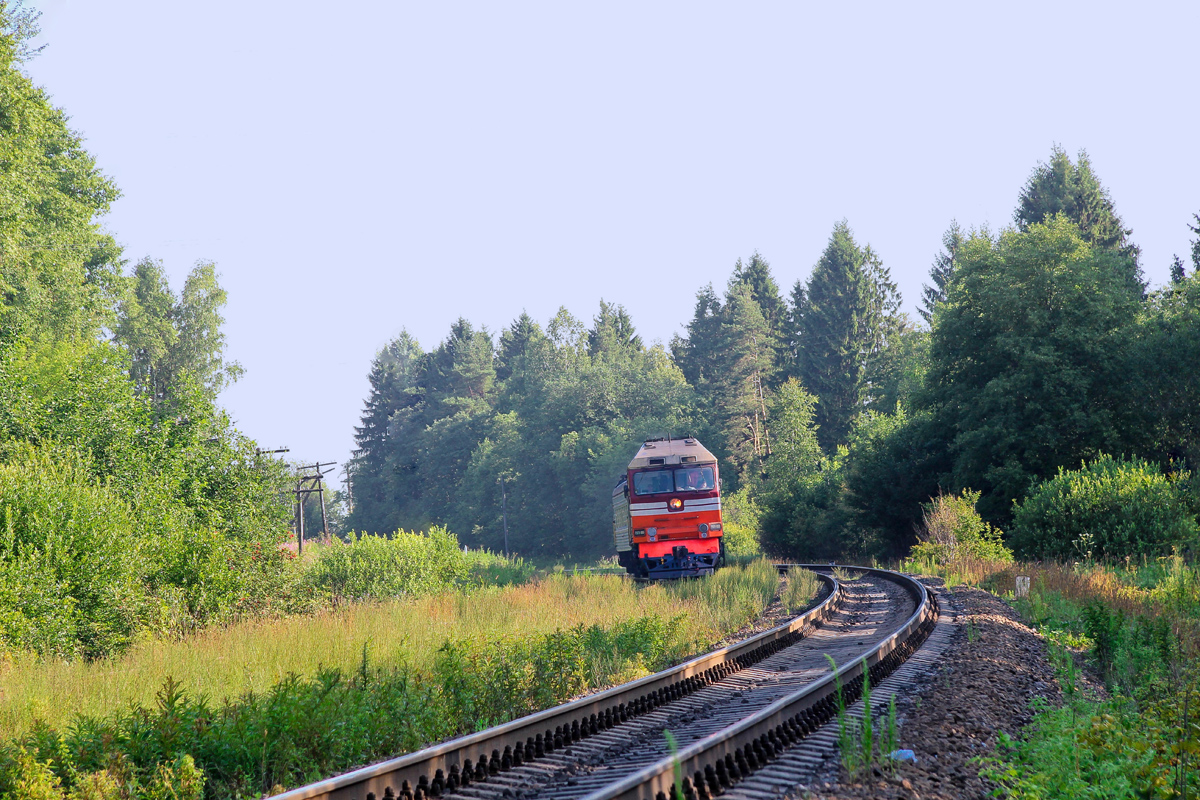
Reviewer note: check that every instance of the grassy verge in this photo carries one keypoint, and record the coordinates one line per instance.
(269, 705)
(1136, 626)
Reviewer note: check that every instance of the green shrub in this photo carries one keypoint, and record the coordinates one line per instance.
(378, 567)
(952, 530)
(71, 564)
(1109, 508)
(739, 518)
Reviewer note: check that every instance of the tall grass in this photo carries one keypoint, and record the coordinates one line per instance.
(357, 685)
(733, 596)
(253, 656)
(799, 589)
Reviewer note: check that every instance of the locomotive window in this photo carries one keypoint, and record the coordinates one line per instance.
(695, 479)
(656, 482)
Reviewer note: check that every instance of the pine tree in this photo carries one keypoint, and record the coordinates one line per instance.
(941, 272)
(847, 318)
(884, 323)
(1073, 190)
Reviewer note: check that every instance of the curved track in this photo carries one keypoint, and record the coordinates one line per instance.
(731, 712)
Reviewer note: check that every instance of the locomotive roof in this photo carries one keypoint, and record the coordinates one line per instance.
(671, 451)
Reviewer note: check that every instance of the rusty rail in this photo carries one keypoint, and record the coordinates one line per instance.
(473, 758)
(713, 765)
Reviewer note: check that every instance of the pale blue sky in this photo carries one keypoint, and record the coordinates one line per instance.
(357, 168)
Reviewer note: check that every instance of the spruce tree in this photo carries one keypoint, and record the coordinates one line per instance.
(794, 327)
(742, 388)
(396, 396)
(612, 333)
(462, 368)
(832, 328)
(697, 353)
(755, 275)
(515, 344)
(1177, 271)
(1074, 190)
(1195, 243)
(941, 272)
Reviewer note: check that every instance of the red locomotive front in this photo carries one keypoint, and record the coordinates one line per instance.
(667, 511)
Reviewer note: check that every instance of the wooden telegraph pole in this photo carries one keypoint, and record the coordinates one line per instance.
(504, 514)
(305, 485)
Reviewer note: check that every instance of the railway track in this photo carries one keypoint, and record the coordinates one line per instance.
(735, 714)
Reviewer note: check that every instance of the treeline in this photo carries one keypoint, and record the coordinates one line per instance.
(128, 502)
(836, 417)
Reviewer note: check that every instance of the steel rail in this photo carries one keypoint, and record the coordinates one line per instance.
(446, 766)
(714, 764)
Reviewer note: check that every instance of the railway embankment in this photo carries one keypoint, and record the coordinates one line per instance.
(994, 671)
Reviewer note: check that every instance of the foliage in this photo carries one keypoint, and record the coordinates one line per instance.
(444, 441)
(1024, 359)
(952, 530)
(941, 272)
(1060, 187)
(851, 309)
(169, 336)
(740, 520)
(1079, 751)
(1108, 508)
(802, 516)
(337, 718)
(377, 567)
(71, 563)
(1162, 419)
(1140, 742)
(894, 464)
(59, 273)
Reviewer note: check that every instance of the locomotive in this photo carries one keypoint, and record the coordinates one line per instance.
(667, 511)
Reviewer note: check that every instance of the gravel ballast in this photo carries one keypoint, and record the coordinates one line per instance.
(993, 668)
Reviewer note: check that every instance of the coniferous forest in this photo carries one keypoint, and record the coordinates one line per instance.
(837, 417)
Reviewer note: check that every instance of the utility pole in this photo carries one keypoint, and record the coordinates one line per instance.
(306, 485)
(504, 513)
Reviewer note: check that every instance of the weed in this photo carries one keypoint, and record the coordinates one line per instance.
(846, 576)
(799, 589)
(673, 749)
(857, 740)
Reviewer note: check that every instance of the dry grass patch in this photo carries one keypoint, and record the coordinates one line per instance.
(254, 656)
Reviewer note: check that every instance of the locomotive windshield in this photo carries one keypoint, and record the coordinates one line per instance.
(689, 479)
(695, 479)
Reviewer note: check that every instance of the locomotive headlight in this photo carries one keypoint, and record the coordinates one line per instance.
(652, 533)
(675, 504)
(703, 527)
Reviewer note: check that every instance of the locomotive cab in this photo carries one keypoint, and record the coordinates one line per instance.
(667, 511)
